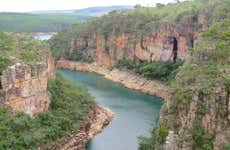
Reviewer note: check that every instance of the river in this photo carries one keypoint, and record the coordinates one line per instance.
(135, 112)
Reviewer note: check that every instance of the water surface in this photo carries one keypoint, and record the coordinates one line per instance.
(43, 37)
(135, 112)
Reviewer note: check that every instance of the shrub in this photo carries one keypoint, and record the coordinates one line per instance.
(6, 42)
(201, 140)
(210, 33)
(157, 138)
(163, 71)
(29, 56)
(161, 134)
(4, 62)
(70, 103)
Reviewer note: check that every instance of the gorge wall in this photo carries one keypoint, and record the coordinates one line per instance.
(157, 46)
(196, 116)
(24, 86)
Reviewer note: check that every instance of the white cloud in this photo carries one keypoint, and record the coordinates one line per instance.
(32, 5)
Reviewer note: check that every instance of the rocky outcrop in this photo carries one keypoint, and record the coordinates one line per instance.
(24, 86)
(156, 46)
(124, 77)
(98, 118)
(198, 114)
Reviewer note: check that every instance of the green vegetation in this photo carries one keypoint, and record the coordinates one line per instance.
(163, 71)
(4, 62)
(50, 21)
(60, 48)
(30, 56)
(201, 139)
(70, 103)
(139, 22)
(204, 71)
(16, 47)
(21, 22)
(144, 20)
(158, 137)
(6, 44)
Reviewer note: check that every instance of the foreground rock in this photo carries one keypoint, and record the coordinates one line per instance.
(124, 77)
(98, 118)
(23, 85)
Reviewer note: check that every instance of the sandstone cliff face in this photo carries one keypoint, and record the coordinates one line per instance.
(24, 86)
(124, 77)
(198, 113)
(211, 113)
(156, 46)
(98, 118)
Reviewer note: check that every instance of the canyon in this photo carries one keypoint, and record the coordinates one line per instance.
(124, 77)
(196, 109)
(24, 89)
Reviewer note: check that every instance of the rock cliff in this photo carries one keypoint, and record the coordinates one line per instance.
(107, 49)
(198, 113)
(24, 82)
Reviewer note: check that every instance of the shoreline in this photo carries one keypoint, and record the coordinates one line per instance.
(124, 77)
(96, 120)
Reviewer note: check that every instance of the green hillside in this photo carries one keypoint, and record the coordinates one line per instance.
(50, 21)
(16, 22)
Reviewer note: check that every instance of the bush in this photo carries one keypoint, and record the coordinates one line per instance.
(4, 62)
(201, 140)
(163, 71)
(6, 42)
(161, 134)
(157, 138)
(70, 103)
(29, 56)
(210, 33)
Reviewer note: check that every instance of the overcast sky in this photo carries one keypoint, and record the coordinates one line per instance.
(34, 5)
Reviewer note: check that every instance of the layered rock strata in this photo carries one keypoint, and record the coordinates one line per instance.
(24, 86)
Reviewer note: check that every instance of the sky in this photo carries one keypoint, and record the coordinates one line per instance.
(37, 5)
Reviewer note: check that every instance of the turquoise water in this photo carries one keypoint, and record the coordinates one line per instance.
(135, 112)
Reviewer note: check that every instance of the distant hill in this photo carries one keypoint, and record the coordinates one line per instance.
(97, 11)
(25, 22)
(51, 21)
(90, 11)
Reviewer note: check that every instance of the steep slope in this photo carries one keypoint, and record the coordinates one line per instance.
(26, 65)
(198, 114)
(139, 34)
(37, 108)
